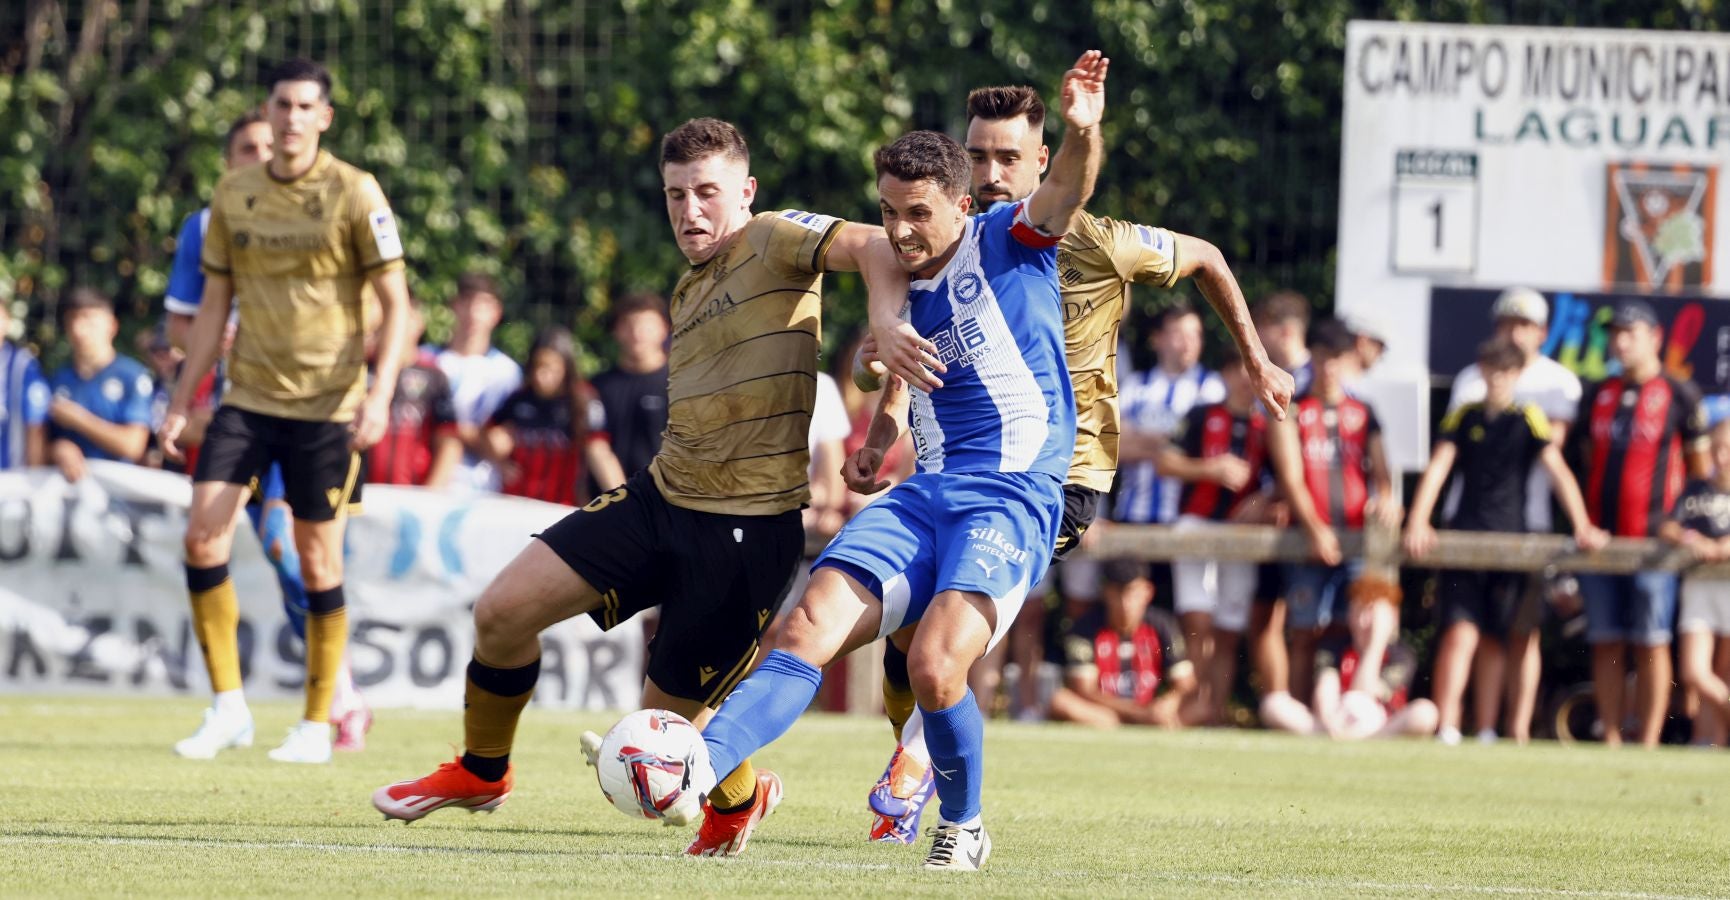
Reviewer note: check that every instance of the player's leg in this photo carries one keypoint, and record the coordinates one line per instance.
(1267, 632)
(1654, 623)
(1604, 596)
(1283, 712)
(899, 796)
(233, 455)
(1308, 613)
(1417, 719)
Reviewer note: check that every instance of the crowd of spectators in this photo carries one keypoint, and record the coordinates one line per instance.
(1118, 642)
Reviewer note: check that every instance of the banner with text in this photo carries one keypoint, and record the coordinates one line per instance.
(93, 596)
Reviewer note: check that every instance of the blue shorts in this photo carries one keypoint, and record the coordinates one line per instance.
(1638, 608)
(989, 533)
(1316, 595)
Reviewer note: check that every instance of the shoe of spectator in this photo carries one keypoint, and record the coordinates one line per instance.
(1488, 736)
(1448, 735)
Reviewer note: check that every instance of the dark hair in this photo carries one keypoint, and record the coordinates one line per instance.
(472, 283)
(633, 303)
(1330, 337)
(1006, 102)
(558, 339)
(250, 117)
(1281, 306)
(698, 138)
(83, 298)
(300, 70)
(1229, 356)
(1176, 309)
(926, 156)
(1500, 355)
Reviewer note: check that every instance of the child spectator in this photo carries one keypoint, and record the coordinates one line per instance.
(481, 375)
(101, 405)
(1382, 711)
(420, 445)
(1120, 654)
(634, 391)
(1701, 525)
(542, 436)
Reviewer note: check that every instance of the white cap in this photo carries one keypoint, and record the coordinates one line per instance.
(1521, 303)
(1367, 325)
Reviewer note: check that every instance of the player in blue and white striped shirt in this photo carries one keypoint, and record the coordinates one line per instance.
(956, 546)
(24, 399)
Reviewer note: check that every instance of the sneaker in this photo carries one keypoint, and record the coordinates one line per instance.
(1449, 736)
(449, 785)
(1488, 736)
(217, 733)
(899, 799)
(958, 848)
(591, 746)
(307, 742)
(726, 835)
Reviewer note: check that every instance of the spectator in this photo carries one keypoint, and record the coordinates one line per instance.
(101, 405)
(1497, 442)
(481, 376)
(1371, 336)
(1120, 655)
(634, 392)
(1219, 454)
(420, 446)
(1701, 525)
(1638, 427)
(1331, 470)
(24, 400)
(542, 436)
(164, 362)
(1521, 315)
(1282, 321)
(1381, 712)
(828, 436)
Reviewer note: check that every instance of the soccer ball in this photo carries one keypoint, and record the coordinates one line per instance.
(650, 763)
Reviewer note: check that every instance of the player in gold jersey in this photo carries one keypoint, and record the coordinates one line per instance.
(1097, 261)
(292, 241)
(711, 531)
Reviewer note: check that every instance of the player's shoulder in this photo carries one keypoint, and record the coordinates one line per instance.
(248, 178)
(341, 170)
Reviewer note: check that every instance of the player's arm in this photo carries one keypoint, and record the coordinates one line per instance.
(887, 424)
(1086, 684)
(1075, 166)
(203, 348)
(1136, 445)
(185, 283)
(1420, 534)
(121, 440)
(447, 454)
(1200, 260)
(1567, 490)
(373, 417)
(1286, 454)
(35, 446)
(867, 250)
(603, 463)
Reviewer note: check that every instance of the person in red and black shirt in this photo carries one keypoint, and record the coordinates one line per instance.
(421, 445)
(1328, 460)
(1124, 661)
(544, 434)
(1220, 454)
(1638, 437)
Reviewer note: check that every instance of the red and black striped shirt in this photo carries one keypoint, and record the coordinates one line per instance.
(548, 443)
(1214, 430)
(1634, 438)
(421, 412)
(1335, 442)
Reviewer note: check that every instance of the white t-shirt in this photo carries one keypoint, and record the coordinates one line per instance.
(1544, 383)
(829, 419)
(478, 385)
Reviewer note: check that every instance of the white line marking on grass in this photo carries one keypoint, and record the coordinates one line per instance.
(1252, 881)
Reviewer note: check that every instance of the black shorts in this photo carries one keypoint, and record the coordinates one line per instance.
(1080, 508)
(1498, 603)
(717, 578)
(1269, 583)
(321, 476)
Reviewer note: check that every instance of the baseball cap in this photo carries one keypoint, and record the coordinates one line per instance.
(1521, 303)
(1634, 312)
(1368, 325)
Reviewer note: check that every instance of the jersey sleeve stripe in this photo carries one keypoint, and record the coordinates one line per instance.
(820, 255)
(1029, 234)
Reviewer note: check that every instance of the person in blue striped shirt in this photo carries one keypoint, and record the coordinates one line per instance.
(24, 398)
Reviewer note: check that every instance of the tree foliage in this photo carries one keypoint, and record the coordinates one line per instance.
(519, 136)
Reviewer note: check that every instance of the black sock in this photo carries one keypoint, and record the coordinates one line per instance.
(487, 768)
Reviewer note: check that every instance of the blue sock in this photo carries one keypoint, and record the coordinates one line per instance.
(955, 738)
(275, 527)
(760, 709)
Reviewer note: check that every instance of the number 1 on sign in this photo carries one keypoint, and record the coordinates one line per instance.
(1436, 213)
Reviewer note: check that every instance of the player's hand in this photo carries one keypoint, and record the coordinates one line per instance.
(168, 436)
(901, 351)
(1229, 471)
(369, 424)
(69, 459)
(1083, 96)
(868, 370)
(1420, 539)
(1325, 545)
(1273, 386)
(860, 471)
(1591, 538)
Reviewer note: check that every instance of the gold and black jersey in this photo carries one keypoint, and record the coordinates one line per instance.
(1096, 262)
(742, 370)
(299, 253)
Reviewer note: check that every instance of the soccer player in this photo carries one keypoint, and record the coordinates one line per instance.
(710, 532)
(290, 242)
(958, 545)
(1641, 434)
(24, 399)
(1330, 467)
(1496, 443)
(1098, 260)
(101, 405)
(1701, 524)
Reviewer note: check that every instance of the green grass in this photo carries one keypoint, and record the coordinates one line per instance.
(97, 805)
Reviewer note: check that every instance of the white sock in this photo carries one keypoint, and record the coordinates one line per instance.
(230, 703)
(970, 823)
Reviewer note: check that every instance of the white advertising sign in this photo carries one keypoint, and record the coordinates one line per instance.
(93, 596)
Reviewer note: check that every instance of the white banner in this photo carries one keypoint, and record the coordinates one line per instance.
(93, 596)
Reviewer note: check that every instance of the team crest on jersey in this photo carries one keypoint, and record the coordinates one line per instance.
(384, 234)
(968, 286)
(1351, 419)
(1153, 239)
(810, 221)
(113, 390)
(314, 206)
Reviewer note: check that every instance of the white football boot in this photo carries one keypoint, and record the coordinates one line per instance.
(307, 742)
(959, 848)
(219, 731)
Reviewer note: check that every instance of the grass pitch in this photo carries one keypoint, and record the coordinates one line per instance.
(96, 804)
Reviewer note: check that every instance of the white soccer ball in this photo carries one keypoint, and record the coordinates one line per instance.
(650, 763)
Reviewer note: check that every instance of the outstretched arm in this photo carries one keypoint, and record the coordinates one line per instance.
(1202, 261)
(1068, 187)
(866, 250)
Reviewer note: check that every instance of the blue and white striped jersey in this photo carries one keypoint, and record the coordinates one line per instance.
(1006, 404)
(1156, 401)
(24, 399)
(186, 278)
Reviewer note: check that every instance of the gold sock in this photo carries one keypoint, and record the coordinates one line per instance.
(326, 644)
(216, 622)
(736, 789)
(489, 717)
(898, 706)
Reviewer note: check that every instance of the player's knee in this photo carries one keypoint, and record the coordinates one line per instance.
(803, 634)
(939, 679)
(497, 626)
(205, 545)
